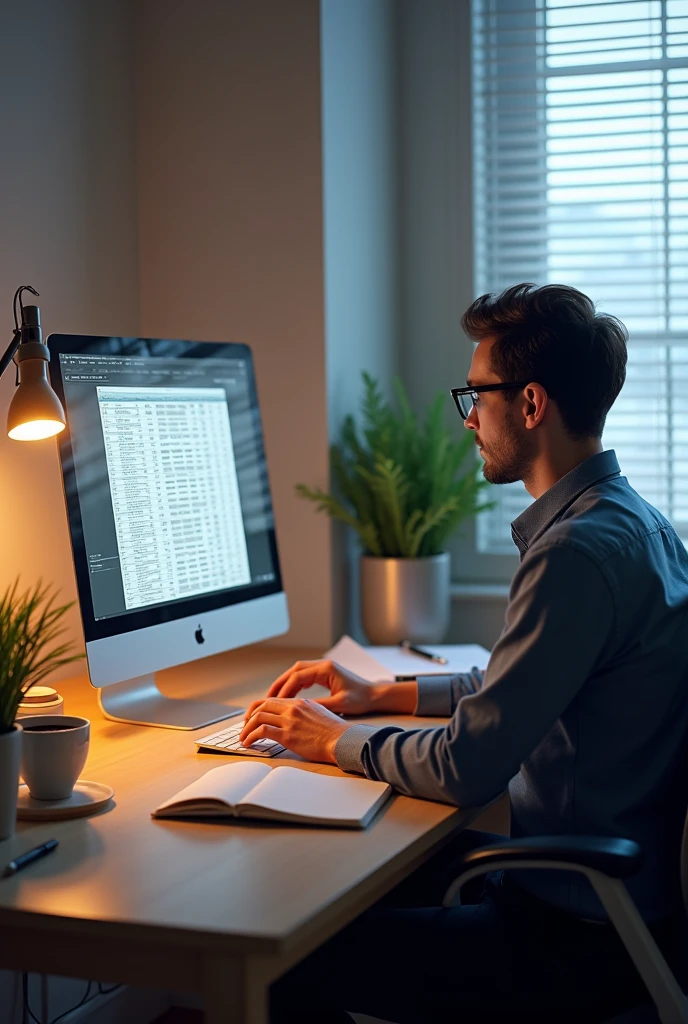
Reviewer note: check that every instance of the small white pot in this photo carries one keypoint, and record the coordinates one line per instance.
(10, 757)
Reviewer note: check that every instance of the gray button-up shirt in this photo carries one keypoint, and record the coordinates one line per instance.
(583, 708)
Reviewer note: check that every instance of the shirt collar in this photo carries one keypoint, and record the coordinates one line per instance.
(539, 516)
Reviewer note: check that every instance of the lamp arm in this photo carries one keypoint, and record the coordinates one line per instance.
(9, 351)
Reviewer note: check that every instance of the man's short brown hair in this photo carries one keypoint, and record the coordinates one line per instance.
(554, 337)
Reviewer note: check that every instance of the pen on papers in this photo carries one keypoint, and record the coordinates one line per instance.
(413, 679)
(29, 857)
(437, 658)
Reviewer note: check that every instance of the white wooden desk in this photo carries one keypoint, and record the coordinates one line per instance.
(215, 909)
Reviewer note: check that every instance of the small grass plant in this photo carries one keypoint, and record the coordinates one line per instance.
(30, 631)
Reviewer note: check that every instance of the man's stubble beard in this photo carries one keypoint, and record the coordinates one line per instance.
(510, 458)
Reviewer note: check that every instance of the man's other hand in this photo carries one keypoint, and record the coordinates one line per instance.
(349, 694)
(302, 726)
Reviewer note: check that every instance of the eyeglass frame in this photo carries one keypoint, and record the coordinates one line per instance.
(478, 389)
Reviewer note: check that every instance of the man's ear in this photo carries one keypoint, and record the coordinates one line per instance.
(536, 402)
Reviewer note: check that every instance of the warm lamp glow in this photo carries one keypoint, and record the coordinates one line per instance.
(35, 430)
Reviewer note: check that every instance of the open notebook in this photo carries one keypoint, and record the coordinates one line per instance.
(251, 790)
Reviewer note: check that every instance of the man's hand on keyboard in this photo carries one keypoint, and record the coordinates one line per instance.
(303, 726)
(349, 694)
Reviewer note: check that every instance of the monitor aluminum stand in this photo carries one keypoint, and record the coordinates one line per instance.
(140, 702)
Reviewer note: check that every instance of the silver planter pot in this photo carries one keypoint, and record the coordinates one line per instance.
(405, 598)
(10, 757)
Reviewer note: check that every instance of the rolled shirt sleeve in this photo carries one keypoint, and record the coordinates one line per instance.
(559, 619)
(439, 695)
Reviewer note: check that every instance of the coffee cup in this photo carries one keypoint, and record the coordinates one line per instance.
(54, 749)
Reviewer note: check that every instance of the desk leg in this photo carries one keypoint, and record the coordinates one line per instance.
(234, 992)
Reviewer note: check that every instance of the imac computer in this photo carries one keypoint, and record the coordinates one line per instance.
(169, 512)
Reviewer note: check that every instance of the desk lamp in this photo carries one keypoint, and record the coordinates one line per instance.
(35, 411)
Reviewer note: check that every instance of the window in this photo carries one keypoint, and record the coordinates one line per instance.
(581, 178)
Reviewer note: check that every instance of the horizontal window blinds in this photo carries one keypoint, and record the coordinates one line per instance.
(581, 178)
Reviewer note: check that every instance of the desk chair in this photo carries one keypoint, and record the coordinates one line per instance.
(605, 862)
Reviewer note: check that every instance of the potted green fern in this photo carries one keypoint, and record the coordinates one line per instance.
(404, 487)
(29, 628)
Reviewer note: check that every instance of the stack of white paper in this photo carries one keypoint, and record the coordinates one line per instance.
(380, 664)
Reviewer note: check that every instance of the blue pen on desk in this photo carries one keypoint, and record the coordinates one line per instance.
(437, 658)
(29, 857)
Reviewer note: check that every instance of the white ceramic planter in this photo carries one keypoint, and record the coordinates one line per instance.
(10, 757)
(405, 598)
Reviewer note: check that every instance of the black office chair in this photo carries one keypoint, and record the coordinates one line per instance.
(605, 862)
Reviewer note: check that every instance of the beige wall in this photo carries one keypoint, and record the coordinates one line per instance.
(230, 192)
(68, 222)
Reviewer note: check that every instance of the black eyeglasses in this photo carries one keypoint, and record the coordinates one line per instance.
(466, 398)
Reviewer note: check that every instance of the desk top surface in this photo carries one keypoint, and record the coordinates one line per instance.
(263, 886)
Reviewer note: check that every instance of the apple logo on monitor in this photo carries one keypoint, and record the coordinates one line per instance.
(200, 639)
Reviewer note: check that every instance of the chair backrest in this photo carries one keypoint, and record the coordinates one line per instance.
(684, 864)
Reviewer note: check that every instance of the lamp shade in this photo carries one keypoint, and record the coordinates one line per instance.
(35, 411)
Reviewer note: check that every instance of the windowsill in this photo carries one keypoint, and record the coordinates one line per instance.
(482, 591)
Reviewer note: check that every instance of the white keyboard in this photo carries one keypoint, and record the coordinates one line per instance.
(227, 742)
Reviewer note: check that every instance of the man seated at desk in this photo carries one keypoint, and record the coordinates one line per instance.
(582, 711)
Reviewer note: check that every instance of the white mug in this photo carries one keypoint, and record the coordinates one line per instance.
(54, 749)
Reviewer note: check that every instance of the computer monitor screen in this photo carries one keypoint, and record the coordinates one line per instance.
(168, 501)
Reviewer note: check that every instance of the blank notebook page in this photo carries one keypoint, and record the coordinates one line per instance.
(229, 782)
(294, 791)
